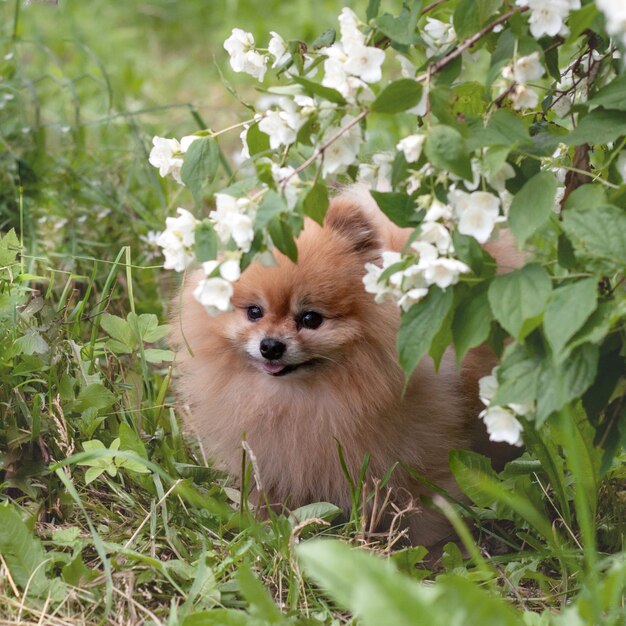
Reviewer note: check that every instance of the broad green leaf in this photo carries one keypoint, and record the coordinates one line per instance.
(327, 38)
(369, 587)
(532, 206)
(398, 96)
(313, 88)
(119, 329)
(563, 382)
(200, 165)
(271, 207)
(92, 473)
(373, 7)
(598, 233)
(154, 355)
(470, 15)
(31, 342)
(446, 149)
(503, 129)
(467, 468)
(206, 241)
(442, 340)
(518, 375)
(218, 617)
(282, 237)
(612, 95)
(396, 28)
(321, 510)
(519, 298)
(22, 552)
(569, 308)
(316, 202)
(598, 127)
(472, 322)
(9, 247)
(257, 140)
(586, 197)
(581, 20)
(261, 604)
(95, 396)
(398, 207)
(419, 325)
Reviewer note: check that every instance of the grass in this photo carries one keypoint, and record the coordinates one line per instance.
(110, 515)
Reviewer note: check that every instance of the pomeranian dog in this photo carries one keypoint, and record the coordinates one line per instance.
(307, 360)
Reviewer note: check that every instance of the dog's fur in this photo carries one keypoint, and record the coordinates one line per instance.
(351, 389)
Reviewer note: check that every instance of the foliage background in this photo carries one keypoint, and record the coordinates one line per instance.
(84, 88)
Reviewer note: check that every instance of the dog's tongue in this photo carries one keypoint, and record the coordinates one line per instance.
(273, 368)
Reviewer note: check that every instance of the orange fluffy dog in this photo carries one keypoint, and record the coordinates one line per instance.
(307, 359)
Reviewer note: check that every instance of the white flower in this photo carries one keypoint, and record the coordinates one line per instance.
(186, 141)
(444, 272)
(437, 211)
(487, 387)
(562, 104)
(547, 16)
(214, 294)
(370, 279)
(277, 129)
(615, 14)
(377, 175)
(230, 270)
(426, 251)
(177, 240)
(498, 179)
(343, 151)
(278, 49)
(621, 165)
(478, 213)
(292, 186)
(163, 156)
(524, 97)
(365, 63)
(502, 425)
(229, 221)
(528, 68)
(412, 147)
(348, 26)
(438, 235)
(243, 56)
(412, 297)
(437, 35)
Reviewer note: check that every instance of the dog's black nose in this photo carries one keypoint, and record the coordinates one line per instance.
(272, 348)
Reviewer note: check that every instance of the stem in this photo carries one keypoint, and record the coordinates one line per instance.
(432, 69)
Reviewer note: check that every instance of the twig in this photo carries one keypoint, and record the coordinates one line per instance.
(432, 69)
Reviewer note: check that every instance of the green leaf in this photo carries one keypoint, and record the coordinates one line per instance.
(327, 38)
(154, 355)
(598, 127)
(569, 308)
(315, 89)
(373, 7)
(396, 28)
(22, 552)
(119, 329)
(282, 236)
(468, 468)
(261, 604)
(272, 206)
(200, 165)
(586, 197)
(206, 241)
(446, 149)
(31, 342)
(470, 15)
(397, 96)
(95, 396)
(316, 202)
(398, 207)
(257, 140)
(532, 206)
(560, 383)
(518, 376)
(598, 233)
(218, 617)
(612, 95)
(9, 248)
(472, 321)
(518, 299)
(92, 473)
(419, 325)
(321, 510)
(503, 129)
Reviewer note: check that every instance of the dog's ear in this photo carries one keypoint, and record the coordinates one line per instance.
(347, 218)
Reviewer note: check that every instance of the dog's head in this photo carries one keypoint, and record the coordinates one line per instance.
(298, 317)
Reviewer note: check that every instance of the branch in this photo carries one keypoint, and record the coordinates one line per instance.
(432, 69)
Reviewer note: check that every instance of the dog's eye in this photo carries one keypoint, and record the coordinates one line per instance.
(311, 319)
(254, 313)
